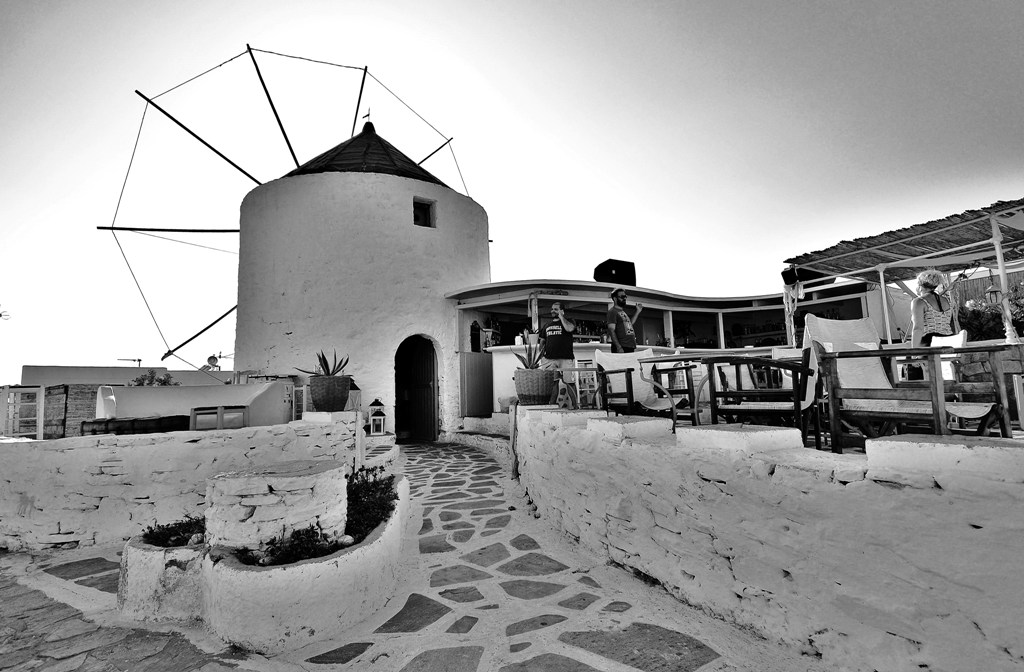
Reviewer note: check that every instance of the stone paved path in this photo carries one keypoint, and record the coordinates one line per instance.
(488, 588)
(39, 633)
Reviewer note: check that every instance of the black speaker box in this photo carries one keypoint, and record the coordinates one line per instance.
(616, 272)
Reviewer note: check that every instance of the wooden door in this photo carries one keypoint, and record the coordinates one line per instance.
(416, 395)
(476, 384)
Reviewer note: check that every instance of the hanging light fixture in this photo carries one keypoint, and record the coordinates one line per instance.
(994, 293)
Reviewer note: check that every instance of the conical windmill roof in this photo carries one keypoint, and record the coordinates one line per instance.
(366, 153)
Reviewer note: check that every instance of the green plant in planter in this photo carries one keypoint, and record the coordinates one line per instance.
(534, 353)
(180, 533)
(371, 499)
(534, 385)
(328, 384)
(325, 367)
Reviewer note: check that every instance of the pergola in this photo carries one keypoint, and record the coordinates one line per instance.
(992, 237)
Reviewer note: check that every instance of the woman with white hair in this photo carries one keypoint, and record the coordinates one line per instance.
(932, 313)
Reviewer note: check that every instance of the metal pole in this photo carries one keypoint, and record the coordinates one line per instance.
(272, 108)
(171, 352)
(359, 101)
(436, 150)
(189, 131)
(997, 241)
(885, 302)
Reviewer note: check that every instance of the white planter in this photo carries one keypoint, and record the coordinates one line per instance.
(160, 584)
(274, 609)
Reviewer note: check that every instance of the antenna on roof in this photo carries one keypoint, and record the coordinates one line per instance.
(4, 315)
(138, 362)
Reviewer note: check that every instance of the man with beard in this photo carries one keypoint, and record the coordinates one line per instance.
(620, 325)
(558, 355)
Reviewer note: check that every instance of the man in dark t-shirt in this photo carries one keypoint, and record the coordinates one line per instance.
(556, 336)
(620, 325)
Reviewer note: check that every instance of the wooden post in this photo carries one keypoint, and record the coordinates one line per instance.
(884, 295)
(995, 363)
(937, 388)
(835, 426)
(666, 322)
(997, 241)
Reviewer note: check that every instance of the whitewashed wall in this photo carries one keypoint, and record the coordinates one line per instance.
(96, 489)
(908, 558)
(333, 260)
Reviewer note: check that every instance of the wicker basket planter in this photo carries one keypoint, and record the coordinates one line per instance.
(534, 386)
(329, 393)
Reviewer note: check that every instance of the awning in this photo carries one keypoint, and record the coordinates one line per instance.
(989, 236)
(949, 244)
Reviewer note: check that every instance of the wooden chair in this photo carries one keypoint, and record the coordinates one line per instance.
(789, 399)
(861, 396)
(626, 388)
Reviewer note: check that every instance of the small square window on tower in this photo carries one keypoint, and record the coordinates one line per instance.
(423, 213)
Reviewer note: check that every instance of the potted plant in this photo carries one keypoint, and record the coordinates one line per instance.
(534, 385)
(328, 384)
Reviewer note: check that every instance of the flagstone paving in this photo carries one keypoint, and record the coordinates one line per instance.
(487, 588)
(40, 633)
(493, 589)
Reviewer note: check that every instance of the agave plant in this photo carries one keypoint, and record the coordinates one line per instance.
(325, 367)
(533, 353)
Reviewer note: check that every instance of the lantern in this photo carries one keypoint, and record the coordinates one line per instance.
(377, 418)
(994, 293)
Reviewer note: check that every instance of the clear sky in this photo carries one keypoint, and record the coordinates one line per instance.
(706, 141)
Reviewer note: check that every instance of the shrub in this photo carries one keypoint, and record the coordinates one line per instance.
(299, 545)
(371, 499)
(174, 534)
(150, 379)
(981, 325)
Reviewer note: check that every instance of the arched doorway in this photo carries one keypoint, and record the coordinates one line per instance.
(416, 399)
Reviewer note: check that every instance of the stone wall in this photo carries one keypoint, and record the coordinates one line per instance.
(87, 490)
(906, 558)
(66, 408)
(53, 411)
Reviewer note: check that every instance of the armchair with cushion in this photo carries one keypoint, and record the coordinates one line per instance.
(639, 383)
(861, 396)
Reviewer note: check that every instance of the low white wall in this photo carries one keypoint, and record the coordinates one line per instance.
(95, 489)
(907, 558)
(275, 609)
(249, 508)
(269, 403)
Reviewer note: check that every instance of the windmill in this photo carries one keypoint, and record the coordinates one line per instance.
(151, 102)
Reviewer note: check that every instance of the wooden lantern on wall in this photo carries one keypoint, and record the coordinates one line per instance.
(377, 418)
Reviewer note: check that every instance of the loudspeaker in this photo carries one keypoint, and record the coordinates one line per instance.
(616, 272)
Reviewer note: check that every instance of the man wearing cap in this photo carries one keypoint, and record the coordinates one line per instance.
(620, 325)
